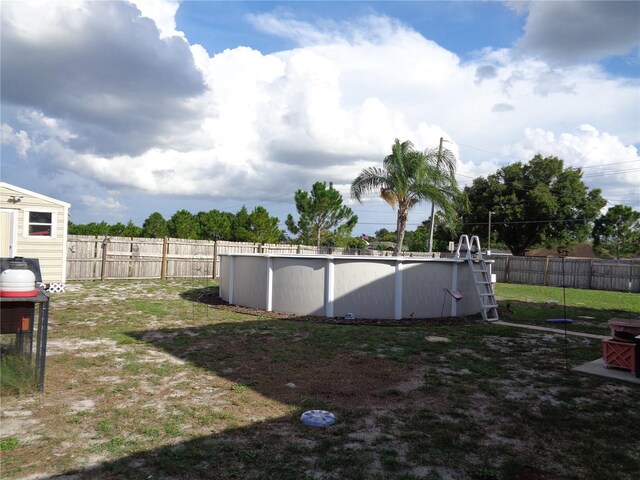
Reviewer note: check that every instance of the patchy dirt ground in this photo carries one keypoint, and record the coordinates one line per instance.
(144, 382)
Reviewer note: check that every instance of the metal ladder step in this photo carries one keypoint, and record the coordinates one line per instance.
(471, 251)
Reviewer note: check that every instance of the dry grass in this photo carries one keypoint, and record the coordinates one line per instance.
(142, 382)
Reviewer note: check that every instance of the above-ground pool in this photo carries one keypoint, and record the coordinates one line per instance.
(364, 286)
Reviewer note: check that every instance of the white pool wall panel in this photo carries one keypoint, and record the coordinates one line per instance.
(250, 285)
(224, 278)
(299, 286)
(423, 289)
(364, 288)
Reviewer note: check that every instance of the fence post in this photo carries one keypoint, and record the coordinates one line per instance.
(506, 270)
(546, 272)
(163, 265)
(105, 247)
(215, 259)
(590, 273)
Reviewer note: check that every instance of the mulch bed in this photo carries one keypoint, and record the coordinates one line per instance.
(215, 301)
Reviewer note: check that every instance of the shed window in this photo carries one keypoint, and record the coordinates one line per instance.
(40, 224)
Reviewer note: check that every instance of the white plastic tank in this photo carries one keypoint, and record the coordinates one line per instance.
(18, 281)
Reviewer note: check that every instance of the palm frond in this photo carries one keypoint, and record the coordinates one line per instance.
(369, 181)
(389, 196)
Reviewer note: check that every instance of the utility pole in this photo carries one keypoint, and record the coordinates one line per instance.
(489, 236)
(433, 207)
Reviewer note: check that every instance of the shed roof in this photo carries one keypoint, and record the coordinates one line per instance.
(34, 194)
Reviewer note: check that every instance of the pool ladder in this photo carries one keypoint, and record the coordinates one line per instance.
(470, 250)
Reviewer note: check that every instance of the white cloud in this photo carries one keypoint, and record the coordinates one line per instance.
(136, 112)
(19, 140)
(163, 13)
(43, 127)
(290, 28)
(600, 155)
(103, 69)
(101, 205)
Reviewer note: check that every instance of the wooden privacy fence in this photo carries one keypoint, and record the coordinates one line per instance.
(102, 258)
(586, 273)
(107, 258)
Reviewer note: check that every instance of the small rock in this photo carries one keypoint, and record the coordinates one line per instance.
(290, 385)
(434, 339)
(17, 413)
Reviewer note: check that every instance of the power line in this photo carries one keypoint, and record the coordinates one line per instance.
(528, 159)
(519, 222)
(607, 164)
(566, 220)
(492, 153)
(611, 173)
(526, 187)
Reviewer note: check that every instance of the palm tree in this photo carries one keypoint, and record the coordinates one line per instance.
(408, 177)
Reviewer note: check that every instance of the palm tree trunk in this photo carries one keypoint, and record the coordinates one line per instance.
(401, 225)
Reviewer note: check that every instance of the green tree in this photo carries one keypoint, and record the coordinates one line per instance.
(617, 232)
(96, 229)
(263, 228)
(445, 231)
(336, 239)
(132, 230)
(320, 211)
(382, 233)
(116, 229)
(356, 242)
(183, 224)
(155, 226)
(121, 230)
(214, 224)
(420, 237)
(537, 203)
(406, 178)
(241, 226)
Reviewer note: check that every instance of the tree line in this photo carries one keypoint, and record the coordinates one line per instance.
(243, 226)
(520, 207)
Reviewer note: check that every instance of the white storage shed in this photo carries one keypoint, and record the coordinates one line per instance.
(34, 226)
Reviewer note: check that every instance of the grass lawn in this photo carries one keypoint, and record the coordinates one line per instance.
(590, 310)
(143, 382)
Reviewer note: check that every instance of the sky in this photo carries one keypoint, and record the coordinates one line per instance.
(124, 108)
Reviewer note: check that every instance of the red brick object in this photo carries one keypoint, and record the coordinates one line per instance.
(619, 354)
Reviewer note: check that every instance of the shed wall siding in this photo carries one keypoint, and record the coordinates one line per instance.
(51, 251)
